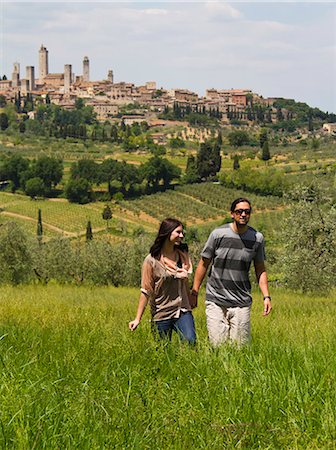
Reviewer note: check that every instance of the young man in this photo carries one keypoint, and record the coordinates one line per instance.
(231, 249)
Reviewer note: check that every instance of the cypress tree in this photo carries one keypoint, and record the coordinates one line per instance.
(89, 235)
(265, 155)
(191, 173)
(39, 231)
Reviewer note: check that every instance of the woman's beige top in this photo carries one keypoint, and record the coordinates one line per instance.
(166, 285)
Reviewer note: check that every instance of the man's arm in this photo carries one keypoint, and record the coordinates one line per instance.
(200, 273)
(261, 275)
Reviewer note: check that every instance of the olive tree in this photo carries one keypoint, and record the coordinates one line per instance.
(309, 242)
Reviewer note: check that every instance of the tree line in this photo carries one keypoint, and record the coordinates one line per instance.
(39, 177)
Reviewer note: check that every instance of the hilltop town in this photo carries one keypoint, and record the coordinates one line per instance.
(107, 97)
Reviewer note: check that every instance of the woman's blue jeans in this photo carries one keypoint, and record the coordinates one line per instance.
(184, 327)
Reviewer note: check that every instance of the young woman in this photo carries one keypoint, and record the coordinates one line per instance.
(165, 284)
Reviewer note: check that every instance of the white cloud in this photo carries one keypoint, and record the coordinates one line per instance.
(221, 10)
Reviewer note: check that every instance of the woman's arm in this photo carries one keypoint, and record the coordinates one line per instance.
(143, 300)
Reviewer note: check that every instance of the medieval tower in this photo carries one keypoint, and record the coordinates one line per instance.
(110, 76)
(86, 69)
(67, 78)
(16, 75)
(30, 75)
(43, 62)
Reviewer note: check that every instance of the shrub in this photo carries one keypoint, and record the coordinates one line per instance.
(309, 239)
(15, 255)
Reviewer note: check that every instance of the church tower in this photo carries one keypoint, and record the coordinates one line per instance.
(43, 62)
(86, 69)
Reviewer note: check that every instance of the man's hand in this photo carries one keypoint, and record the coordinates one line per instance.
(267, 307)
(193, 299)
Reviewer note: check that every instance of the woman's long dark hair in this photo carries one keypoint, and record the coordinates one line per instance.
(166, 228)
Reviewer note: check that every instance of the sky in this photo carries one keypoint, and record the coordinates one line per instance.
(276, 49)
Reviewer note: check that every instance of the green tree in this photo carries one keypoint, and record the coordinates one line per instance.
(191, 174)
(15, 254)
(238, 138)
(128, 175)
(107, 214)
(315, 143)
(176, 142)
(158, 169)
(310, 123)
(39, 230)
(3, 101)
(13, 168)
(4, 122)
(263, 137)
(107, 172)
(89, 234)
(34, 187)
(79, 103)
(265, 154)
(50, 170)
(22, 127)
(208, 160)
(78, 191)
(85, 168)
(279, 114)
(236, 164)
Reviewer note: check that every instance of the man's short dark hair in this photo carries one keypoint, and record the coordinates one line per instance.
(239, 200)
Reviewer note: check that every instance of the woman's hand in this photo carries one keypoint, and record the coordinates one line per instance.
(133, 325)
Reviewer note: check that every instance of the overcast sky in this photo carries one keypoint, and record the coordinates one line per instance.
(277, 49)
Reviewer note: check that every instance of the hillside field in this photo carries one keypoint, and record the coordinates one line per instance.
(195, 205)
(74, 376)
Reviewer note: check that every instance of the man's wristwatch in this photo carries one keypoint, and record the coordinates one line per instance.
(267, 296)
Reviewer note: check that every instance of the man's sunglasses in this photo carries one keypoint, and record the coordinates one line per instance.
(241, 211)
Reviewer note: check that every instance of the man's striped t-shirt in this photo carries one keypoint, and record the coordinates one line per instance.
(231, 254)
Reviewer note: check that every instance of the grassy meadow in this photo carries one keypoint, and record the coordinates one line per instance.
(73, 376)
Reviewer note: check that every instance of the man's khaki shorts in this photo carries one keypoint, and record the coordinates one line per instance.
(228, 324)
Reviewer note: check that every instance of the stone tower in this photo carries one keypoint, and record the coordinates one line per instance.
(86, 69)
(67, 78)
(43, 62)
(30, 75)
(16, 74)
(24, 88)
(110, 76)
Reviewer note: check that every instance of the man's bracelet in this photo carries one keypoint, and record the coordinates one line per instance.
(267, 296)
(194, 292)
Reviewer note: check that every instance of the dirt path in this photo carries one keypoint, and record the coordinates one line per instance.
(46, 225)
(69, 234)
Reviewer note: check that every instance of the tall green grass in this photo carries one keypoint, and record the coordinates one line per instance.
(73, 376)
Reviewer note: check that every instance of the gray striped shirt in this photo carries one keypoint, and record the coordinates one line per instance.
(231, 254)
